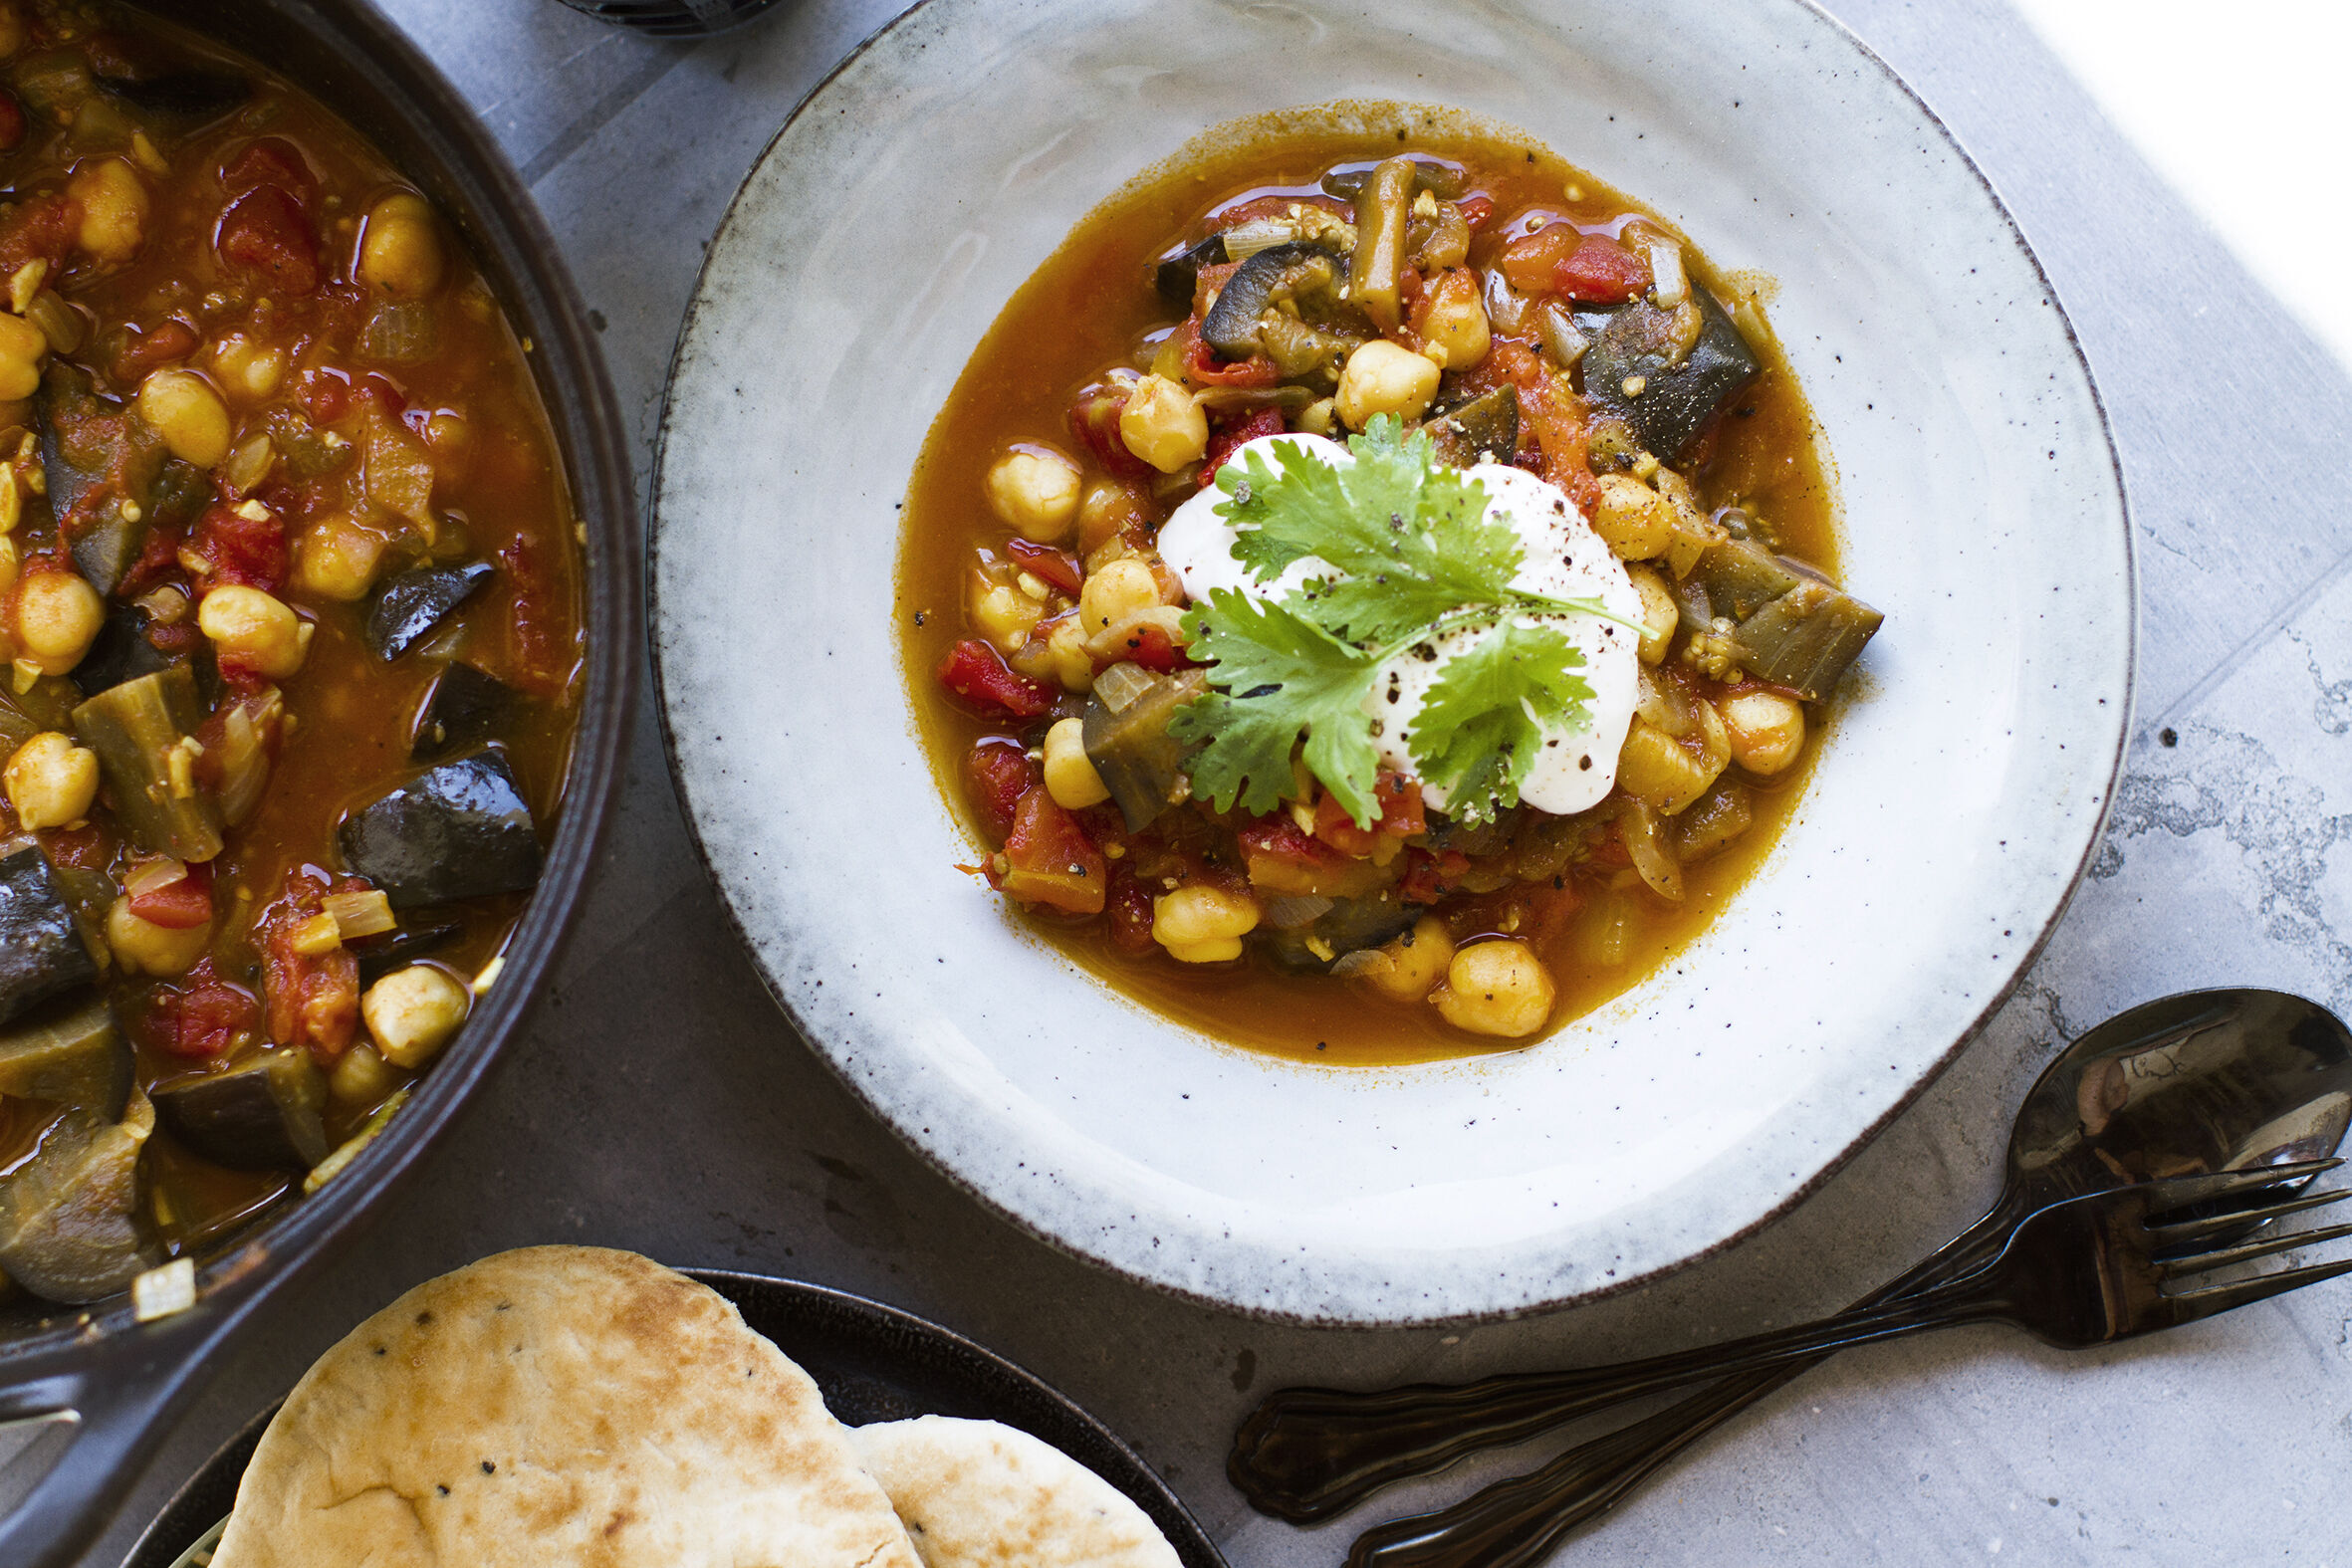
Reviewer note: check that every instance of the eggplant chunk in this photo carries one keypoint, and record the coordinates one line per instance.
(266, 1113)
(1277, 272)
(1141, 764)
(1442, 180)
(100, 463)
(1635, 369)
(411, 606)
(467, 707)
(379, 955)
(142, 732)
(1483, 429)
(66, 1230)
(1792, 627)
(1178, 275)
(1346, 927)
(121, 652)
(40, 949)
(459, 830)
(71, 1054)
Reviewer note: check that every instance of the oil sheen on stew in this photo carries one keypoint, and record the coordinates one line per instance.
(290, 620)
(1374, 598)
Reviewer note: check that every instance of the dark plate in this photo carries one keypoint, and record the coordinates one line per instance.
(874, 1362)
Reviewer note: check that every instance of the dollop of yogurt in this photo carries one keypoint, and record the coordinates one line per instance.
(1565, 559)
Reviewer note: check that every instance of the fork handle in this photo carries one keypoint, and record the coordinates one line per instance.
(1308, 1454)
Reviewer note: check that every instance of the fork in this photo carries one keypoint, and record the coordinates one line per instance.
(2087, 1272)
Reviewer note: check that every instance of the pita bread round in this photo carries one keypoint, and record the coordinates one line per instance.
(559, 1406)
(979, 1494)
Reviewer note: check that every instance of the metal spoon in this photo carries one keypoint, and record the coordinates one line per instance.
(2203, 1081)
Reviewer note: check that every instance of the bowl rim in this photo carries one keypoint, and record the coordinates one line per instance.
(2026, 954)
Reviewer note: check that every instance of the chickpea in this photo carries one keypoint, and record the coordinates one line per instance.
(1200, 924)
(1382, 378)
(1071, 777)
(1767, 730)
(336, 559)
(411, 1013)
(1656, 768)
(1115, 592)
(1004, 615)
(141, 946)
(1659, 613)
(451, 441)
(1414, 963)
(58, 615)
(1497, 988)
(1072, 664)
(1162, 426)
(1319, 417)
(22, 348)
(1456, 327)
(248, 370)
(188, 414)
(1036, 494)
(52, 782)
(254, 629)
(362, 1078)
(1635, 521)
(113, 209)
(400, 251)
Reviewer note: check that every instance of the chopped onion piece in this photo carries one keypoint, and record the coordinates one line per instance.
(1290, 912)
(153, 875)
(1652, 855)
(1361, 962)
(1121, 685)
(1561, 333)
(249, 465)
(1670, 284)
(363, 913)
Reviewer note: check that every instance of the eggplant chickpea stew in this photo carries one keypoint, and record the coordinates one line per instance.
(290, 630)
(1374, 601)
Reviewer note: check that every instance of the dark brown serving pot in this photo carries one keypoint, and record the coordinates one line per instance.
(123, 1380)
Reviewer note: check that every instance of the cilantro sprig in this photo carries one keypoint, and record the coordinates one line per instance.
(1410, 555)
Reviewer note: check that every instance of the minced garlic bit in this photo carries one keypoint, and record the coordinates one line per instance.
(161, 1293)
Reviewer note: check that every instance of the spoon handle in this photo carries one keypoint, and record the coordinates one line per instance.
(1308, 1454)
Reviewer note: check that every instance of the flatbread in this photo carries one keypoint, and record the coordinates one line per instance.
(978, 1495)
(559, 1406)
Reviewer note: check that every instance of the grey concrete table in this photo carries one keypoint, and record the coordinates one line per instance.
(658, 1101)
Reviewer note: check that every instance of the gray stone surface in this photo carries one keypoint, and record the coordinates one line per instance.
(658, 1101)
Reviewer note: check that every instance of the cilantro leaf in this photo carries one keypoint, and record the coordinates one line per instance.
(1279, 677)
(1479, 729)
(1408, 555)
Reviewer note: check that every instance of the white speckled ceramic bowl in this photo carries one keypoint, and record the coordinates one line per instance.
(1942, 834)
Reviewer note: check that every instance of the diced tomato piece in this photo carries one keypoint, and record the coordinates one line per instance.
(1205, 284)
(314, 998)
(250, 551)
(158, 345)
(173, 640)
(89, 846)
(1130, 911)
(266, 234)
(12, 122)
(1094, 419)
(1049, 861)
(1151, 647)
(38, 229)
(271, 160)
(1477, 211)
(1202, 363)
(324, 394)
(976, 672)
(1400, 817)
(201, 1017)
(997, 774)
(182, 906)
(1608, 852)
(1431, 876)
(1227, 438)
(1531, 260)
(1602, 272)
(1281, 857)
(538, 636)
(1056, 567)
